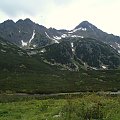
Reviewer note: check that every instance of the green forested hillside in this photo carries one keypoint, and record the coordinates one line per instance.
(76, 53)
(20, 72)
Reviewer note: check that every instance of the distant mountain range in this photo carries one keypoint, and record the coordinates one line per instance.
(26, 33)
(85, 46)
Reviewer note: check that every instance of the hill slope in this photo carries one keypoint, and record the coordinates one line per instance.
(77, 53)
(13, 58)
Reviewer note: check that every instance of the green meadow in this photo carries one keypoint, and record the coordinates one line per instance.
(84, 107)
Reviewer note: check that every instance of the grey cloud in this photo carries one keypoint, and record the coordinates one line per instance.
(30, 7)
(16, 7)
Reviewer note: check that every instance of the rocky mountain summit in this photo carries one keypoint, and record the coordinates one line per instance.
(85, 46)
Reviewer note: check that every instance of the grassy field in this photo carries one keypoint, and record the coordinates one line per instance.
(86, 107)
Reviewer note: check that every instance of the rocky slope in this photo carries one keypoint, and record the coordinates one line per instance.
(27, 34)
(77, 53)
(86, 46)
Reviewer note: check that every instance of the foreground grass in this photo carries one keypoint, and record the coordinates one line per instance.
(87, 107)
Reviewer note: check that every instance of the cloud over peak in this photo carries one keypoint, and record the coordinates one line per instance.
(64, 13)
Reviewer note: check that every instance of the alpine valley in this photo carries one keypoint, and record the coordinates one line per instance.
(35, 59)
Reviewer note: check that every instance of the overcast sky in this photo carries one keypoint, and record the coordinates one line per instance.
(65, 14)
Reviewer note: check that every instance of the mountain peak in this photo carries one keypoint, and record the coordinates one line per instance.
(19, 21)
(84, 24)
(9, 21)
(28, 19)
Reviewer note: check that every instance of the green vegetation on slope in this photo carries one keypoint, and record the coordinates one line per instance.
(59, 81)
(13, 59)
(76, 52)
(20, 72)
(97, 54)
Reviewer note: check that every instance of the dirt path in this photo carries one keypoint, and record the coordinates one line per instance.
(62, 94)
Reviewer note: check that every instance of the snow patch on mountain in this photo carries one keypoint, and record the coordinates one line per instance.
(118, 51)
(70, 35)
(64, 35)
(112, 46)
(43, 50)
(34, 46)
(72, 45)
(47, 35)
(24, 43)
(51, 38)
(33, 35)
(56, 37)
(104, 67)
(73, 50)
(76, 36)
(55, 41)
(83, 29)
(94, 68)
